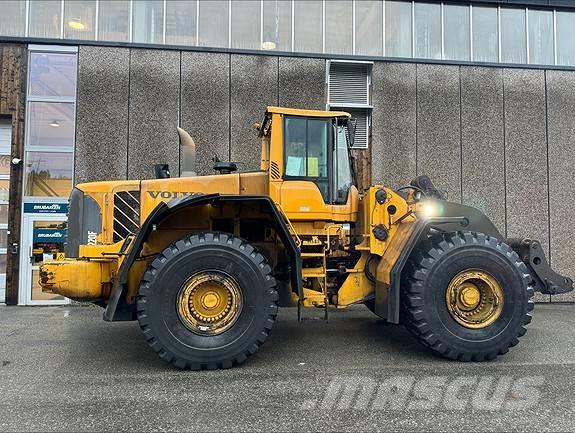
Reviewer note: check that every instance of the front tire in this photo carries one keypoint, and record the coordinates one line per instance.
(467, 296)
(207, 301)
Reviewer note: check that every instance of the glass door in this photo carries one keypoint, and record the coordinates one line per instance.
(44, 237)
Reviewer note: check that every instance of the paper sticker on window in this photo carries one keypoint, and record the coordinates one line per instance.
(295, 166)
(312, 166)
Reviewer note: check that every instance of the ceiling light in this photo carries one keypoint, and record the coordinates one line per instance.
(76, 24)
(268, 45)
(55, 124)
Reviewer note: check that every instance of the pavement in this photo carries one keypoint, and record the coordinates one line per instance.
(64, 369)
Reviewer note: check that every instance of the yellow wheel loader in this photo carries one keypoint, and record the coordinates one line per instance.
(204, 262)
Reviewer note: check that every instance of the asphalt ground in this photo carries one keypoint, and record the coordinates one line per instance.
(64, 369)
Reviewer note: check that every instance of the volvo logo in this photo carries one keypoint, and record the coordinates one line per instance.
(166, 195)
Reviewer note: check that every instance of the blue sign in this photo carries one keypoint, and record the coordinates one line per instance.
(45, 207)
(47, 235)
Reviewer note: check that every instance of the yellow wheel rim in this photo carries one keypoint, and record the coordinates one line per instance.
(209, 303)
(474, 299)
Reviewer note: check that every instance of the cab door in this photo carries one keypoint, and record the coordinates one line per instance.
(317, 182)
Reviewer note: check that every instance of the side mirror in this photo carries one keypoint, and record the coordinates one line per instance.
(162, 171)
(350, 126)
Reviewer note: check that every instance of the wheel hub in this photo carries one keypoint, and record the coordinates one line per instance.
(209, 303)
(474, 299)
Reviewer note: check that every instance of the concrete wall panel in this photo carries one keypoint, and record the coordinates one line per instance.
(561, 124)
(206, 106)
(393, 124)
(482, 142)
(254, 85)
(438, 127)
(154, 112)
(102, 114)
(302, 83)
(526, 156)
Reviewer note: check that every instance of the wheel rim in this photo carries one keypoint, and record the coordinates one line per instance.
(474, 299)
(209, 303)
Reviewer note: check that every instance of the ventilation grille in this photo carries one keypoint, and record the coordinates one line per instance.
(275, 170)
(126, 214)
(361, 127)
(348, 83)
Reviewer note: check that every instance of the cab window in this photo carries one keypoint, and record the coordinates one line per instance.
(306, 151)
(343, 174)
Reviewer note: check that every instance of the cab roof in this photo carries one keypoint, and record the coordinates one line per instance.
(306, 113)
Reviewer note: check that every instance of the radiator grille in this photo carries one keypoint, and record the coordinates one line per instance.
(126, 214)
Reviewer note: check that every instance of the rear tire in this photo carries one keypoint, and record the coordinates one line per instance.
(430, 314)
(184, 333)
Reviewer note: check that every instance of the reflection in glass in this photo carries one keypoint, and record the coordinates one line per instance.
(214, 23)
(4, 213)
(308, 26)
(456, 32)
(114, 20)
(541, 37)
(513, 36)
(52, 74)
(13, 18)
(427, 30)
(80, 19)
(45, 18)
(147, 21)
(2, 263)
(4, 189)
(181, 22)
(566, 38)
(277, 25)
(50, 124)
(485, 37)
(369, 28)
(338, 27)
(246, 24)
(48, 174)
(3, 238)
(397, 29)
(5, 164)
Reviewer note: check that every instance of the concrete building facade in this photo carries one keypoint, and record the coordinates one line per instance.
(497, 135)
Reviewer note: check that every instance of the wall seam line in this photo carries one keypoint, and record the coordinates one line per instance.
(504, 152)
(460, 138)
(548, 165)
(129, 111)
(230, 107)
(180, 117)
(416, 123)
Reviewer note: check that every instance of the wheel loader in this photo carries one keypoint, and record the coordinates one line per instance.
(204, 262)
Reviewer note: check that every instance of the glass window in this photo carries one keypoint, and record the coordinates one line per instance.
(397, 29)
(48, 174)
(369, 28)
(306, 147)
(566, 38)
(5, 164)
(45, 18)
(343, 170)
(4, 190)
(428, 30)
(52, 74)
(485, 36)
(246, 24)
(513, 36)
(13, 18)
(4, 213)
(3, 238)
(181, 22)
(308, 26)
(80, 19)
(214, 23)
(3, 263)
(277, 25)
(541, 37)
(147, 21)
(338, 27)
(456, 32)
(50, 124)
(114, 20)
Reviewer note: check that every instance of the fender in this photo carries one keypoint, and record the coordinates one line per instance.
(119, 309)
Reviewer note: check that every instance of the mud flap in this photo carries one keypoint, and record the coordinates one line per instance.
(546, 280)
